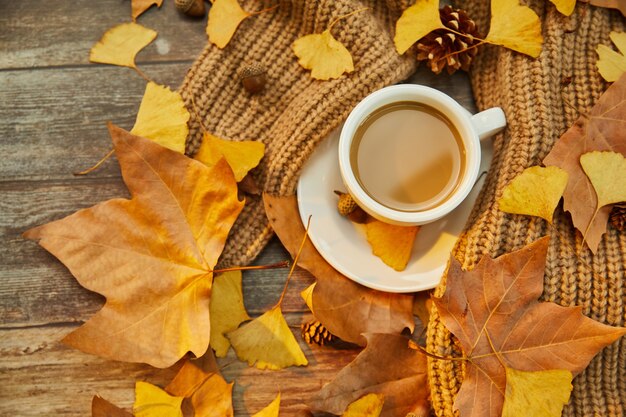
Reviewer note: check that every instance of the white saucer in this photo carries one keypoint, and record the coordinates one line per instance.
(343, 244)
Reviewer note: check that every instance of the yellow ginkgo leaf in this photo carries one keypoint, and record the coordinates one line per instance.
(324, 55)
(151, 401)
(307, 296)
(612, 64)
(538, 393)
(534, 192)
(416, 22)
(267, 342)
(271, 410)
(226, 309)
(565, 7)
(140, 6)
(607, 173)
(120, 44)
(224, 19)
(241, 156)
(162, 117)
(393, 244)
(369, 405)
(515, 27)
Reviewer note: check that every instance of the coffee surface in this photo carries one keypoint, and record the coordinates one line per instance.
(408, 156)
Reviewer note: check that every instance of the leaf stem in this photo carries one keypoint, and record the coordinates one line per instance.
(334, 22)
(93, 168)
(141, 73)
(441, 358)
(281, 264)
(268, 9)
(462, 50)
(467, 35)
(295, 261)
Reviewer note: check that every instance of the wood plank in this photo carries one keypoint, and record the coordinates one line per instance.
(60, 33)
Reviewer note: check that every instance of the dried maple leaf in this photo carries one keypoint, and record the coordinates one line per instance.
(607, 173)
(192, 374)
(389, 366)
(140, 6)
(241, 156)
(565, 7)
(610, 4)
(370, 405)
(538, 393)
(102, 408)
(416, 22)
(603, 129)
(162, 117)
(535, 192)
(120, 44)
(271, 410)
(152, 401)
(225, 16)
(151, 256)
(495, 314)
(611, 64)
(392, 244)
(346, 308)
(515, 27)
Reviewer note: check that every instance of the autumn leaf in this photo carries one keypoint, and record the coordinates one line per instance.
(307, 296)
(227, 309)
(565, 7)
(494, 312)
(607, 173)
(150, 256)
(392, 244)
(534, 192)
(120, 44)
(610, 4)
(151, 401)
(225, 16)
(102, 408)
(602, 129)
(346, 308)
(324, 55)
(241, 156)
(538, 393)
(162, 117)
(515, 27)
(140, 6)
(388, 366)
(271, 410)
(611, 64)
(416, 22)
(369, 405)
(192, 374)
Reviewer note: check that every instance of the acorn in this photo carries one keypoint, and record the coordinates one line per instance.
(346, 203)
(253, 78)
(193, 8)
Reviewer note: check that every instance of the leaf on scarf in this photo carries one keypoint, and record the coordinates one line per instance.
(388, 366)
(271, 410)
(534, 192)
(610, 4)
(607, 173)
(538, 393)
(227, 309)
(565, 7)
(602, 129)
(344, 307)
(140, 6)
(515, 27)
(611, 64)
(494, 312)
(151, 401)
(392, 244)
(324, 55)
(150, 256)
(369, 405)
(120, 44)
(225, 16)
(416, 22)
(162, 117)
(267, 342)
(241, 156)
(102, 408)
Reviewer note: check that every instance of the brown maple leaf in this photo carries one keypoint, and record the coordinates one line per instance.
(346, 308)
(102, 408)
(610, 4)
(388, 365)
(603, 129)
(495, 307)
(151, 256)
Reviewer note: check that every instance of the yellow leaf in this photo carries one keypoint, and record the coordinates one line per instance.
(271, 410)
(162, 117)
(307, 296)
(535, 192)
(120, 44)
(226, 309)
(515, 27)
(151, 401)
(612, 64)
(324, 55)
(607, 173)
(537, 393)
(416, 22)
(140, 6)
(213, 398)
(565, 7)
(369, 405)
(224, 18)
(267, 342)
(241, 156)
(393, 244)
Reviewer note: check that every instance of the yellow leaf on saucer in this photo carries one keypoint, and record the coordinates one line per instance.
(534, 192)
(416, 22)
(393, 244)
(515, 27)
(307, 296)
(140, 6)
(241, 156)
(537, 393)
(225, 16)
(369, 405)
(324, 55)
(271, 410)
(120, 44)
(151, 401)
(226, 309)
(612, 64)
(267, 342)
(607, 173)
(565, 7)
(162, 117)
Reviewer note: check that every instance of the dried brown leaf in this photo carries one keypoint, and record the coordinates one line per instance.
(140, 6)
(102, 408)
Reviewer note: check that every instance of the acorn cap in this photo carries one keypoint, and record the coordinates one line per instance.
(250, 70)
(191, 7)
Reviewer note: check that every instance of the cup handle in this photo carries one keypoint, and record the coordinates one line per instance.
(489, 122)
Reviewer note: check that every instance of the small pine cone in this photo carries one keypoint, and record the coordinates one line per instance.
(618, 216)
(315, 332)
(444, 49)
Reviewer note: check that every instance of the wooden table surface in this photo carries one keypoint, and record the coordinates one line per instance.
(53, 111)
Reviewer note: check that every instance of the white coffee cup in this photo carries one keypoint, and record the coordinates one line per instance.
(472, 129)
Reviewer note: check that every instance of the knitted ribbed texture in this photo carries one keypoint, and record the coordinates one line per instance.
(294, 112)
(535, 95)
